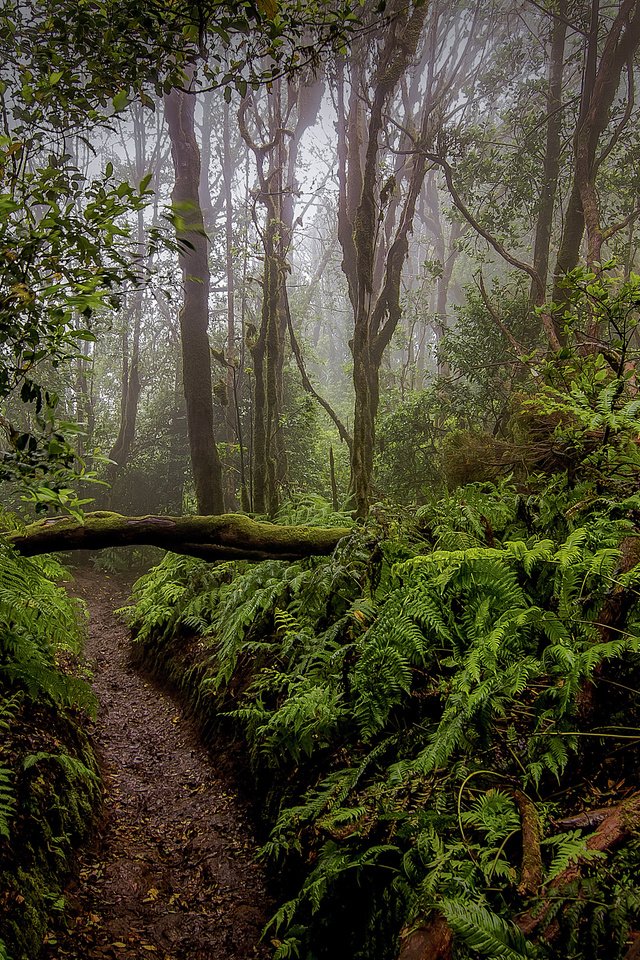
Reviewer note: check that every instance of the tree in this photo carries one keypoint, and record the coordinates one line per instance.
(291, 107)
(376, 212)
(194, 315)
(600, 84)
(133, 305)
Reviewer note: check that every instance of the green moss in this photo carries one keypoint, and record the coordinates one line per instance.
(231, 536)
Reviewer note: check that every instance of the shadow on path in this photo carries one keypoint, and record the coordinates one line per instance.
(170, 874)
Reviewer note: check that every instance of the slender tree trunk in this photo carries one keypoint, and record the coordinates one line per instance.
(553, 154)
(232, 422)
(361, 210)
(85, 413)
(120, 452)
(194, 315)
(600, 86)
(292, 107)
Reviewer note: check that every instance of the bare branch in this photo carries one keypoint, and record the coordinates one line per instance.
(477, 226)
(308, 386)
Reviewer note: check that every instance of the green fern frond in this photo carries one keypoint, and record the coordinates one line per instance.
(485, 932)
(7, 800)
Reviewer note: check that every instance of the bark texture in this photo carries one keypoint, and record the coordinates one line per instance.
(600, 86)
(226, 537)
(194, 315)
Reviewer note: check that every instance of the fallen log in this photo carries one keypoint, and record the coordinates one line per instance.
(226, 537)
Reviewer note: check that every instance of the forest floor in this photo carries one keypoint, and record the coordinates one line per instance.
(170, 873)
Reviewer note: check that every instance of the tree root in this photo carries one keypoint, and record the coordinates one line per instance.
(614, 829)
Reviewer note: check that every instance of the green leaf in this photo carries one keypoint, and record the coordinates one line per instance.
(120, 101)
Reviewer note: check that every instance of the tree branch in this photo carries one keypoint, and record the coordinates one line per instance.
(308, 386)
(466, 213)
(223, 537)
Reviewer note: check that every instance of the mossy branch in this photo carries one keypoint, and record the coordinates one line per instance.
(224, 537)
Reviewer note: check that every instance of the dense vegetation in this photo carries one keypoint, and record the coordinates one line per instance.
(49, 783)
(426, 715)
(371, 270)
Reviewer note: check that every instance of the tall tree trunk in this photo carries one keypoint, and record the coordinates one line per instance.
(194, 315)
(600, 86)
(267, 344)
(232, 421)
(120, 452)
(361, 207)
(292, 107)
(553, 154)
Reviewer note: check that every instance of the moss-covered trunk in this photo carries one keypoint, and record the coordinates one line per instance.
(224, 537)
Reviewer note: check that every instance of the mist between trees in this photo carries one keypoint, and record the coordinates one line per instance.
(253, 253)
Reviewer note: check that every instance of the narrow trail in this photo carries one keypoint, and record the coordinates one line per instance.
(170, 874)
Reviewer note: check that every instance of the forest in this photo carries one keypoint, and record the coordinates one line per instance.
(319, 460)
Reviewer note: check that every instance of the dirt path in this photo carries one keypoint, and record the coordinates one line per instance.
(171, 873)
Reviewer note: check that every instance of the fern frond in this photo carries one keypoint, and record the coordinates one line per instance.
(485, 932)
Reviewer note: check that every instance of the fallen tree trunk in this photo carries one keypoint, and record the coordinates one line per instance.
(225, 537)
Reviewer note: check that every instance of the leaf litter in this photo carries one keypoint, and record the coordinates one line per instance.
(170, 873)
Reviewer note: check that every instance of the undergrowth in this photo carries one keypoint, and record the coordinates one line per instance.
(49, 786)
(421, 714)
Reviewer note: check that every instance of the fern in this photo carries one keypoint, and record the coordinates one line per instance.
(485, 932)
(37, 621)
(403, 702)
(7, 800)
(8, 710)
(568, 849)
(73, 767)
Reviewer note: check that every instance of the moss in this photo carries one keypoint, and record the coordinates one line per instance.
(228, 536)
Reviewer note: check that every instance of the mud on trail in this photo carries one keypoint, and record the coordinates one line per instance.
(170, 874)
